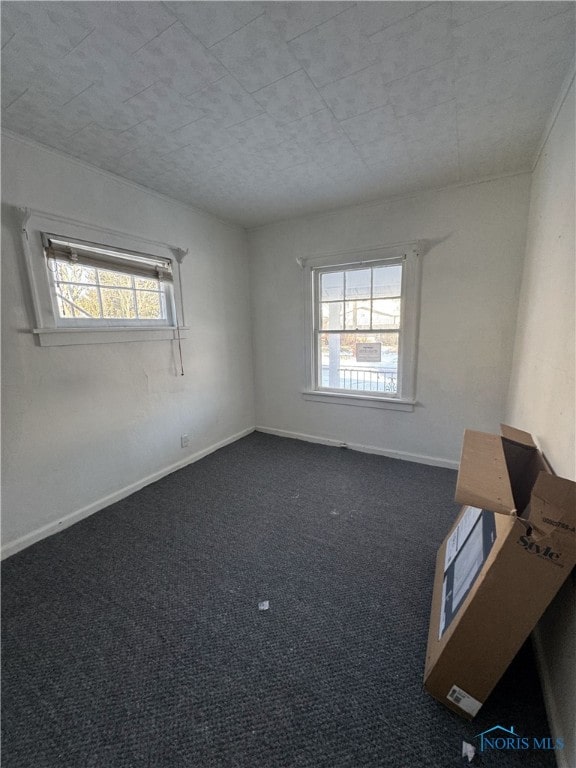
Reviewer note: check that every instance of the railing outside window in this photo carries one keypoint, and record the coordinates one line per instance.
(365, 379)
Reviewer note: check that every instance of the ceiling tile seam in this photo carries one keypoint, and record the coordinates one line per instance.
(491, 61)
(131, 128)
(78, 94)
(121, 179)
(297, 119)
(199, 42)
(15, 99)
(86, 36)
(208, 47)
(180, 127)
(268, 85)
(78, 130)
(555, 12)
(234, 125)
(367, 143)
(158, 35)
(375, 64)
(558, 12)
(329, 108)
(362, 160)
(205, 87)
(419, 71)
(391, 82)
(348, 8)
(366, 112)
(231, 74)
(241, 122)
(129, 98)
(169, 10)
(424, 109)
(533, 24)
(350, 74)
(318, 91)
(399, 21)
(264, 112)
(482, 15)
(9, 40)
(299, 67)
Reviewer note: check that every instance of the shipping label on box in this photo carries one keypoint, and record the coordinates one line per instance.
(474, 537)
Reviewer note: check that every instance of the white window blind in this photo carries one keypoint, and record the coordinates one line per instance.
(95, 255)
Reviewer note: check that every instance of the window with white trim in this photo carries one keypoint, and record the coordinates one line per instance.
(93, 285)
(364, 315)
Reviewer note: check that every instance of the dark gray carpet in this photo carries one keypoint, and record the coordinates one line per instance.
(134, 637)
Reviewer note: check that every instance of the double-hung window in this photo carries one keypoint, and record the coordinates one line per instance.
(364, 314)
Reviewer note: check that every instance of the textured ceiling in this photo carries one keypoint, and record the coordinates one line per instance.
(257, 111)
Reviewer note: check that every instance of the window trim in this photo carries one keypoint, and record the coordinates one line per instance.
(409, 254)
(48, 328)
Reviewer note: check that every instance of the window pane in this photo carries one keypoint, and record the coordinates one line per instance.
(86, 301)
(358, 284)
(332, 316)
(77, 301)
(387, 281)
(149, 306)
(357, 315)
(332, 286)
(118, 303)
(350, 361)
(117, 279)
(386, 313)
(65, 304)
(74, 273)
(147, 284)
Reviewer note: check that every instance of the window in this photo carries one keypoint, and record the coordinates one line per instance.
(91, 285)
(94, 286)
(363, 316)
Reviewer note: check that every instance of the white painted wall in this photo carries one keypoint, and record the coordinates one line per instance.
(84, 424)
(542, 386)
(470, 285)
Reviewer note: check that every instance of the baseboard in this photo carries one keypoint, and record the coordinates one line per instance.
(433, 461)
(58, 525)
(562, 759)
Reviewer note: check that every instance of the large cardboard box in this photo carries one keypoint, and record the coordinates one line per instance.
(507, 555)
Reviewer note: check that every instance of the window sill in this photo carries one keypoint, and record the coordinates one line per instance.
(366, 401)
(59, 337)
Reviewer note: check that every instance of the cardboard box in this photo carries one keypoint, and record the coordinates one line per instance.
(507, 555)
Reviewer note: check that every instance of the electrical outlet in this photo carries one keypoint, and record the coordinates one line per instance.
(184, 441)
